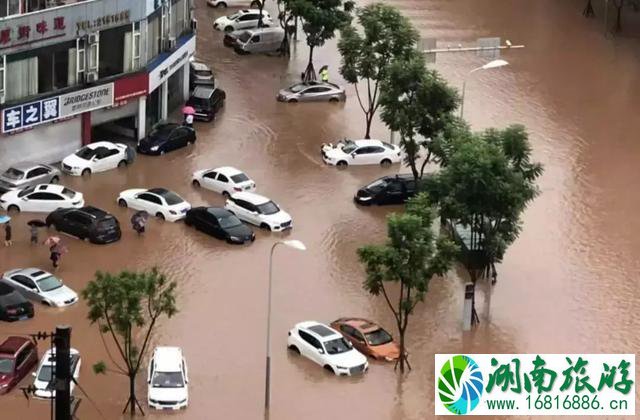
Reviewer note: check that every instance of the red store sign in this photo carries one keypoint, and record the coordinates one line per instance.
(25, 34)
(130, 87)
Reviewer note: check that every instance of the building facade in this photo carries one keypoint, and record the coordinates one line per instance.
(89, 70)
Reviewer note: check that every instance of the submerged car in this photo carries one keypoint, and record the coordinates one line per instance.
(326, 347)
(233, 3)
(43, 382)
(168, 379)
(369, 338)
(97, 157)
(219, 223)
(158, 202)
(393, 189)
(258, 210)
(312, 92)
(360, 152)
(13, 306)
(206, 101)
(86, 223)
(225, 180)
(165, 138)
(242, 19)
(41, 198)
(27, 174)
(200, 75)
(40, 286)
(18, 355)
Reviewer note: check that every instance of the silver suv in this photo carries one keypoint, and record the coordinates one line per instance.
(27, 174)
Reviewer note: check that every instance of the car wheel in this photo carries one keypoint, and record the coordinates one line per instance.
(342, 164)
(195, 183)
(122, 164)
(160, 216)
(86, 172)
(13, 209)
(122, 202)
(334, 100)
(226, 194)
(192, 141)
(294, 349)
(329, 368)
(385, 163)
(55, 180)
(265, 226)
(162, 152)
(221, 5)
(228, 29)
(292, 101)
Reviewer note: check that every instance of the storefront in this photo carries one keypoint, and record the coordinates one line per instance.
(169, 81)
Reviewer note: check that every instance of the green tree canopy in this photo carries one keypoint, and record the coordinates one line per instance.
(418, 104)
(385, 36)
(405, 264)
(126, 306)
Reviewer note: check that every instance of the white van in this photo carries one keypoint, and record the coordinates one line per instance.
(260, 40)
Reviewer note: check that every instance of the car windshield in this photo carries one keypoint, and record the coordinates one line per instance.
(49, 283)
(13, 173)
(68, 193)
(337, 346)
(46, 373)
(172, 198)
(6, 366)
(297, 88)
(377, 186)
(349, 148)
(86, 153)
(268, 208)
(107, 223)
(26, 191)
(229, 221)
(378, 337)
(239, 178)
(162, 131)
(167, 380)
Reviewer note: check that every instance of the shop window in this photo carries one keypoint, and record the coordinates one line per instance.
(153, 36)
(21, 78)
(9, 7)
(112, 60)
(53, 67)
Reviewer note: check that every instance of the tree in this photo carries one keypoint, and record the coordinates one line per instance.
(260, 4)
(124, 305)
(419, 105)
(412, 255)
(285, 16)
(488, 181)
(320, 20)
(387, 36)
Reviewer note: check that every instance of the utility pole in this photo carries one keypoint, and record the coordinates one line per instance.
(63, 372)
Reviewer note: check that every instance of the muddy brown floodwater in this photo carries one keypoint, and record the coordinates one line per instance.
(569, 284)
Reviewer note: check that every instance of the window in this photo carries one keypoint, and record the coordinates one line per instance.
(256, 38)
(21, 78)
(45, 196)
(37, 172)
(248, 17)
(363, 151)
(245, 205)
(22, 356)
(376, 149)
(153, 36)
(210, 175)
(79, 218)
(410, 185)
(239, 178)
(310, 339)
(25, 281)
(150, 198)
(9, 7)
(357, 335)
(112, 60)
(347, 329)
(395, 187)
(222, 178)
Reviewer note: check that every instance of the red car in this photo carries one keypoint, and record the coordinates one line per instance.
(368, 338)
(18, 355)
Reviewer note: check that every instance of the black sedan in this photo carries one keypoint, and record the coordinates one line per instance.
(13, 306)
(220, 224)
(165, 138)
(93, 224)
(395, 189)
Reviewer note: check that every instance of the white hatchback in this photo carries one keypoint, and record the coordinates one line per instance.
(96, 157)
(326, 347)
(259, 211)
(225, 180)
(41, 198)
(167, 379)
(243, 19)
(44, 377)
(158, 202)
(360, 152)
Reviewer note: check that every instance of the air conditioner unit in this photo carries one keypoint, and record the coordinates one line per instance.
(92, 76)
(94, 38)
(170, 44)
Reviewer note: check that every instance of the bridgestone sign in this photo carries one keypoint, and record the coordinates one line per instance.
(86, 100)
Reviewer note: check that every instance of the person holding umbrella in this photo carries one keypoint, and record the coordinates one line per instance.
(56, 249)
(139, 221)
(188, 112)
(8, 234)
(33, 229)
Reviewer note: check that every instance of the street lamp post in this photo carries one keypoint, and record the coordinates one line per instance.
(295, 244)
(490, 65)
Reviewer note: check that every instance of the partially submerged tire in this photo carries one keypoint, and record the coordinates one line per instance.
(160, 216)
(122, 202)
(195, 183)
(342, 164)
(385, 163)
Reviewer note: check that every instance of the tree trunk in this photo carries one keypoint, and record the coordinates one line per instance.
(132, 395)
(474, 314)
(310, 72)
(619, 15)
(588, 10)
(369, 118)
(402, 351)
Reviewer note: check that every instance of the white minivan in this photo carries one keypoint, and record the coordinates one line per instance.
(260, 40)
(167, 379)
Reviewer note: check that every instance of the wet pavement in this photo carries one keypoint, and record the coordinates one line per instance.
(567, 285)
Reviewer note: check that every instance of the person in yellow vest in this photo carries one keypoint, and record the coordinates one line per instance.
(324, 74)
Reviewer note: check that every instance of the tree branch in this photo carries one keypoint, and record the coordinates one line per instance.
(104, 343)
(113, 334)
(386, 297)
(146, 341)
(358, 96)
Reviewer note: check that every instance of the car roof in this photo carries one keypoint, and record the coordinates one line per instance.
(34, 273)
(319, 330)
(94, 212)
(12, 345)
(252, 198)
(367, 142)
(199, 66)
(167, 359)
(99, 144)
(227, 170)
(54, 188)
(246, 11)
(25, 166)
(158, 191)
(361, 324)
(217, 211)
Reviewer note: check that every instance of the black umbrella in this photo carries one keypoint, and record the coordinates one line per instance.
(139, 217)
(36, 223)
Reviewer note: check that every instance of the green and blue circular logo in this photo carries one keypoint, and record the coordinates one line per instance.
(460, 384)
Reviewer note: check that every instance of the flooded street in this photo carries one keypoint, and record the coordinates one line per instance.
(567, 285)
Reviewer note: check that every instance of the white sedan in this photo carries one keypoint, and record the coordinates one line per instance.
(41, 198)
(96, 157)
(44, 377)
(40, 286)
(360, 152)
(225, 180)
(158, 202)
(326, 347)
(259, 211)
(243, 19)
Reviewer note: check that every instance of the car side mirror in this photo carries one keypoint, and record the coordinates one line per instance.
(320, 351)
(33, 374)
(353, 155)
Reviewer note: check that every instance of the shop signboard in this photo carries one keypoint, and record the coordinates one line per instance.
(163, 70)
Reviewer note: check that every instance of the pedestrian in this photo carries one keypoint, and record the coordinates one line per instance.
(188, 120)
(7, 234)
(324, 73)
(138, 226)
(55, 256)
(34, 234)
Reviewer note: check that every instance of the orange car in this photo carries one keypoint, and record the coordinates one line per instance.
(368, 337)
